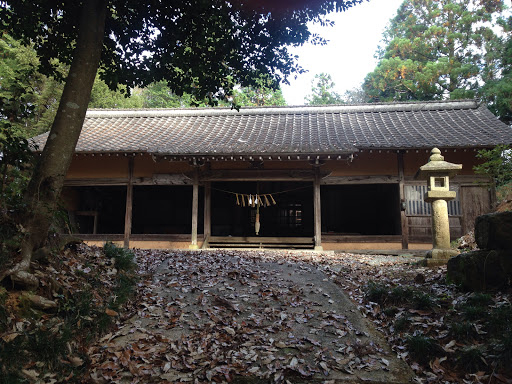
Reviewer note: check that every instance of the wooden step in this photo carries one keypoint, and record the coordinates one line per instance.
(260, 242)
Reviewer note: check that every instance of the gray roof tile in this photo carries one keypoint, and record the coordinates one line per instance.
(308, 130)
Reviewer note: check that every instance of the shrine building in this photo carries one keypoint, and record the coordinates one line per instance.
(320, 177)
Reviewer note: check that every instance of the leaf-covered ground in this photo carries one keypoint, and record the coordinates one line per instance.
(222, 316)
(189, 327)
(44, 334)
(216, 316)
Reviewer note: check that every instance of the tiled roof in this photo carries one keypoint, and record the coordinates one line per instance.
(312, 130)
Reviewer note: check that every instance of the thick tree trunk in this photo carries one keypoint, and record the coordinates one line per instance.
(48, 178)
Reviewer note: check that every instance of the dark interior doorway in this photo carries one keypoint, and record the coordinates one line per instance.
(291, 216)
(164, 210)
(370, 209)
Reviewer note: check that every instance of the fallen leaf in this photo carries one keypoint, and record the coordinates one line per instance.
(111, 312)
(10, 336)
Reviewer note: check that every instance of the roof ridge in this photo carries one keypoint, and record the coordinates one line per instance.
(340, 108)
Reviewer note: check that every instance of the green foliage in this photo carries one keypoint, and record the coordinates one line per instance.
(16, 109)
(476, 307)
(401, 294)
(474, 312)
(401, 323)
(202, 48)
(76, 307)
(471, 359)
(422, 300)
(463, 330)
(49, 345)
(264, 93)
(322, 91)
(23, 87)
(159, 95)
(497, 90)
(497, 164)
(438, 49)
(480, 299)
(355, 96)
(390, 311)
(500, 320)
(422, 348)
(376, 292)
(123, 258)
(381, 294)
(103, 97)
(502, 349)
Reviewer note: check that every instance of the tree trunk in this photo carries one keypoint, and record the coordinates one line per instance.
(46, 184)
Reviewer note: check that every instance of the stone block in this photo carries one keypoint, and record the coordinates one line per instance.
(436, 257)
(494, 231)
(481, 270)
(436, 195)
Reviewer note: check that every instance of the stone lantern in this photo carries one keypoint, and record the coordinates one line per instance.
(437, 172)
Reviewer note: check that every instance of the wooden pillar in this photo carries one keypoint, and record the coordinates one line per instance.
(317, 211)
(207, 213)
(129, 205)
(403, 217)
(195, 208)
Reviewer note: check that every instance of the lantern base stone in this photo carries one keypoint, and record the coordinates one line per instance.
(438, 256)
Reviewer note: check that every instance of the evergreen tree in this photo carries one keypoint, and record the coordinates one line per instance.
(497, 91)
(436, 49)
(322, 92)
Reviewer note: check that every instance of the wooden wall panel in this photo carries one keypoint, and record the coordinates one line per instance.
(475, 201)
(420, 227)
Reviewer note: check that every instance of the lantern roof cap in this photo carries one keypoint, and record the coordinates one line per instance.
(436, 166)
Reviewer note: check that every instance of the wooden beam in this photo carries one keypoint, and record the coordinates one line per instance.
(401, 186)
(262, 239)
(164, 179)
(96, 182)
(195, 208)
(207, 212)
(340, 180)
(129, 205)
(317, 210)
(260, 175)
(340, 238)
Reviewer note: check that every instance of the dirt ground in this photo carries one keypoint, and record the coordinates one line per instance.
(244, 316)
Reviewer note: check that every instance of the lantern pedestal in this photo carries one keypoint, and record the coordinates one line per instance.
(437, 172)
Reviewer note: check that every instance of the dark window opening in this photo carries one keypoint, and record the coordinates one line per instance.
(370, 209)
(99, 210)
(164, 210)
